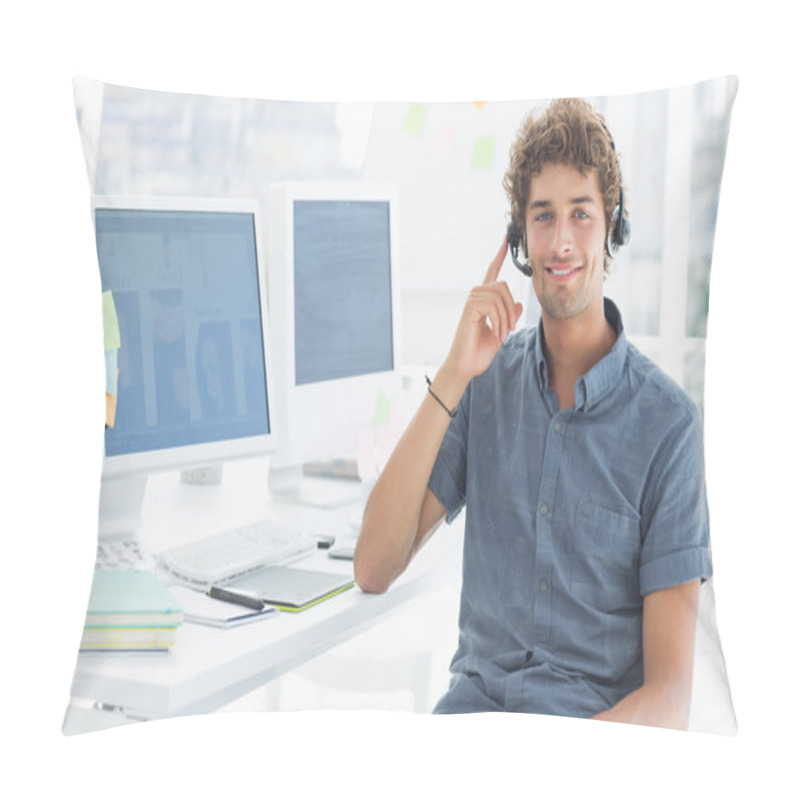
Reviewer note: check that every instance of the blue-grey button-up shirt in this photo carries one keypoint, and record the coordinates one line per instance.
(571, 518)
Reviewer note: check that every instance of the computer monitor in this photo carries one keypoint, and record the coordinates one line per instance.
(334, 308)
(194, 385)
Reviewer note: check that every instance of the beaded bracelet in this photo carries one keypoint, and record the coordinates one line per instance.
(433, 394)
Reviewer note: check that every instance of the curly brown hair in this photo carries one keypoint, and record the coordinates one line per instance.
(569, 131)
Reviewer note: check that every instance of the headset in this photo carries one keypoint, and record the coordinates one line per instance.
(618, 236)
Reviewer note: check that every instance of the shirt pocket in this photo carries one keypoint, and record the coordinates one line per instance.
(604, 569)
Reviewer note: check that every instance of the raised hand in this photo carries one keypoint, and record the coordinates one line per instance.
(489, 315)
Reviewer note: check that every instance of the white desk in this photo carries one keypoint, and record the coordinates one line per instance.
(209, 667)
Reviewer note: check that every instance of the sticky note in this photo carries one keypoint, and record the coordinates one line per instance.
(112, 372)
(483, 152)
(415, 119)
(111, 409)
(111, 340)
(381, 410)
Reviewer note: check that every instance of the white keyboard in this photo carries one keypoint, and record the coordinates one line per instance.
(224, 556)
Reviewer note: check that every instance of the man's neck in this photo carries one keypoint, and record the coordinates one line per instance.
(573, 346)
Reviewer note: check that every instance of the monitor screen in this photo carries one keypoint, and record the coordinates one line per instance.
(334, 311)
(192, 368)
(342, 289)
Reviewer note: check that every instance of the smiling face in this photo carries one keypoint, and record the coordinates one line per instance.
(566, 232)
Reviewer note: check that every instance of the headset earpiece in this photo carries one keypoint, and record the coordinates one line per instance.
(513, 235)
(620, 232)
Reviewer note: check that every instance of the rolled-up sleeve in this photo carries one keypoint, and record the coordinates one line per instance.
(448, 480)
(675, 523)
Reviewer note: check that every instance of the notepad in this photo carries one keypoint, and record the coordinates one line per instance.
(201, 609)
(133, 598)
(129, 609)
(291, 588)
(124, 639)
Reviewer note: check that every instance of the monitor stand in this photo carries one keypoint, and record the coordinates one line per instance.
(121, 499)
(120, 512)
(316, 487)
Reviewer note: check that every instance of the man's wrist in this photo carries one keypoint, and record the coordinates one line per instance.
(447, 388)
(451, 412)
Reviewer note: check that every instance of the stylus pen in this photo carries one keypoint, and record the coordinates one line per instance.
(218, 593)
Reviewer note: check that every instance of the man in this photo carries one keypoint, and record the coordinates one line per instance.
(579, 461)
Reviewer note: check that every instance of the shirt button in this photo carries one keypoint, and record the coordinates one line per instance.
(557, 426)
(529, 656)
(543, 509)
(543, 586)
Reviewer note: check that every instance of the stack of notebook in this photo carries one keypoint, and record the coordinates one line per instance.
(130, 610)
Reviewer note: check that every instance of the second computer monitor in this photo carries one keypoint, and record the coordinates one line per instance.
(334, 308)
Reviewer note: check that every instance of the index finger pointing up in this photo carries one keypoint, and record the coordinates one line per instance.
(497, 263)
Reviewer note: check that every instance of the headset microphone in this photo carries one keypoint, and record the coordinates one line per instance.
(513, 246)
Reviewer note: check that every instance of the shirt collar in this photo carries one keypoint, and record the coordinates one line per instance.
(593, 386)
